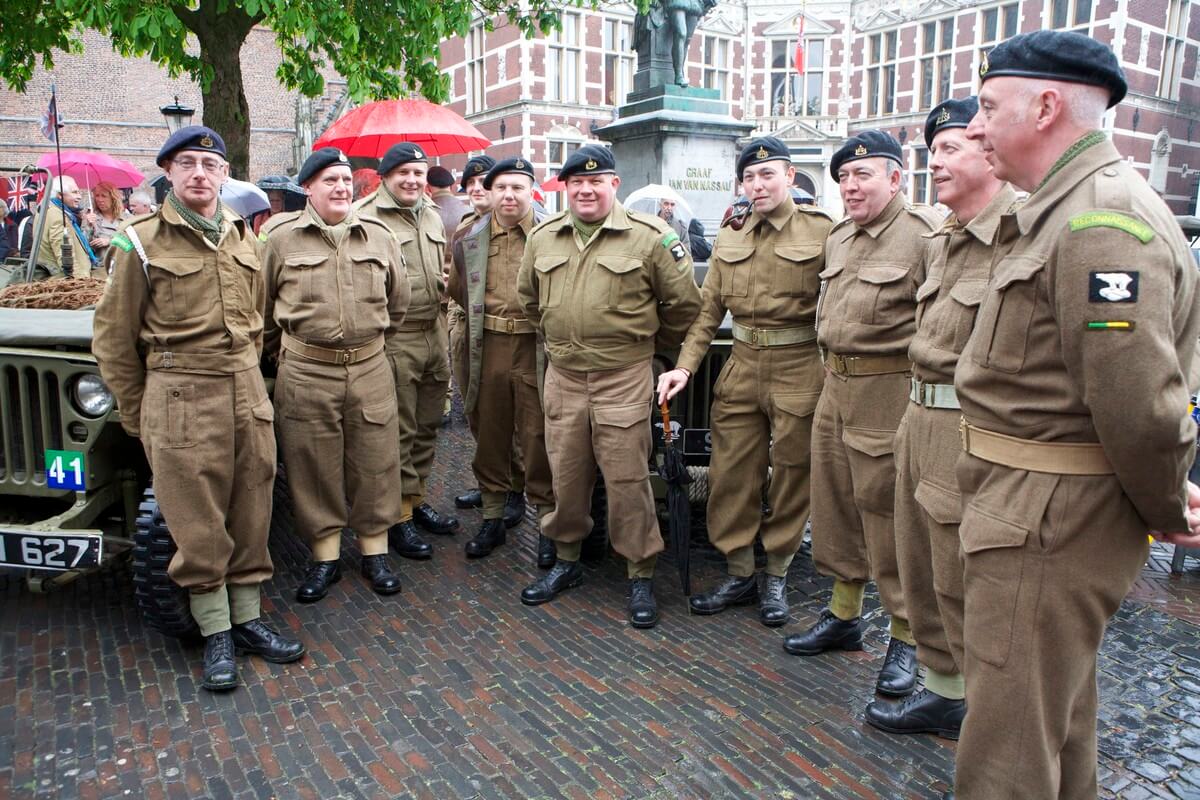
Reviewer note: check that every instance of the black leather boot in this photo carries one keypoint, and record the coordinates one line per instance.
(773, 608)
(379, 572)
(259, 639)
(514, 509)
(922, 712)
(562, 576)
(643, 610)
(220, 670)
(472, 498)
(733, 591)
(317, 580)
(407, 543)
(547, 552)
(828, 633)
(432, 521)
(492, 534)
(899, 673)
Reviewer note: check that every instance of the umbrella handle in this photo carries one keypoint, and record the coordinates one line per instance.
(666, 417)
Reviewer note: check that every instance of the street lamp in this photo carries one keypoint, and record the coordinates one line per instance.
(177, 116)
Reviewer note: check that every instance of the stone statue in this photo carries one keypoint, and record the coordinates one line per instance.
(668, 26)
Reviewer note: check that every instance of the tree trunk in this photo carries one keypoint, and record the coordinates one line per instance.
(225, 108)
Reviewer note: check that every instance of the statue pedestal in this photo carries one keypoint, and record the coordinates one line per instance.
(684, 138)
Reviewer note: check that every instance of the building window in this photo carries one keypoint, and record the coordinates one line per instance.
(562, 60)
(995, 25)
(936, 67)
(881, 74)
(1011, 15)
(793, 94)
(618, 61)
(557, 152)
(923, 188)
(716, 65)
(1172, 64)
(1070, 13)
(476, 83)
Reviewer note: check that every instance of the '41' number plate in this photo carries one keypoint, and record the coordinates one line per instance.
(64, 470)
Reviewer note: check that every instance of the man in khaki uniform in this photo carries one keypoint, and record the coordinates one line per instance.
(958, 259)
(418, 348)
(335, 284)
(63, 215)
(501, 391)
(178, 337)
(866, 318)
(764, 271)
(1074, 388)
(603, 285)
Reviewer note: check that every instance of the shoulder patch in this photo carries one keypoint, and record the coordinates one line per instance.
(1112, 219)
(1113, 287)
(677, 251)
(670, 239)
(122, 241)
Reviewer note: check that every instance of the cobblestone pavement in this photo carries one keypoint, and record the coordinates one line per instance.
(453, 689)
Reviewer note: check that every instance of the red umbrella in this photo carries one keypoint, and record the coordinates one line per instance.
(371, 129)
(553, 185)
(88, 169)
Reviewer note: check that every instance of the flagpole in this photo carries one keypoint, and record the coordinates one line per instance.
(68, 259)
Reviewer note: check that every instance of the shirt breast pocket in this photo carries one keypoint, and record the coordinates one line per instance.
(735, 269)
(551, 279)
(313, 283)
(1007, 313)
(797, 267)
(491, 284)
(967, 295)
(619, 288)
(181, 287)
(369, 272)
(878, 293)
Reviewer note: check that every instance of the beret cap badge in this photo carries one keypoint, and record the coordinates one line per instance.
(206, 141)
(984, 66)
(762, 153)
(943, 117)
(591, 164)
(520, 164)
(861, 150)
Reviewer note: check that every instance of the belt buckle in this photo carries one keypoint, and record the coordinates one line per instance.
(754, 336)
(346, 356)
(838, 363)
(168, 359)
(510, 325)
(964, 433)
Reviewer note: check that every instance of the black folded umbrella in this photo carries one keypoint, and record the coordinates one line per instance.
(679, 510)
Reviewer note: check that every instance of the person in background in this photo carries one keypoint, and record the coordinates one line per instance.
(140, 203)
(7, 233)
(63, 211)
(666, 211)
(275, 196)
(106, 214)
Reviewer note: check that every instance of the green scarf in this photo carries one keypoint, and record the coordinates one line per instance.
(209, 228)
(586, 229)
(1086, 141)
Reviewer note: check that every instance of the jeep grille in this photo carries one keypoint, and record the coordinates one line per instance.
(30, 423)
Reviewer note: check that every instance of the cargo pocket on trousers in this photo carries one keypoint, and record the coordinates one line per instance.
(875, 475)
(941, 504)
(180, 400)
(624, 434)
(380, 413)
(994, 560)
(789, 445)
(264, 439)
(551, 397)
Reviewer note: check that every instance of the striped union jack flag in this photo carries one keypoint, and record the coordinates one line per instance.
(19, 192)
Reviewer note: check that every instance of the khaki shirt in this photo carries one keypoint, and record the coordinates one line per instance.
(193, 307)
(332, 295)
(765, 275)
(1088, 331)
(422, 241)
(869, 285)
(607, 303)
(504, 264)
(958, 262)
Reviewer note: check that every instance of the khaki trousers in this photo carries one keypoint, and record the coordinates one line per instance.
(421, 371)
(601, 418)
(509, 407)
(211, 445)
(854, 481)
(928, 510)
(1047, 560)
(762, 394)
(337, 426)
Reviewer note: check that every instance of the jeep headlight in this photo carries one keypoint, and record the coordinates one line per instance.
(92, 398)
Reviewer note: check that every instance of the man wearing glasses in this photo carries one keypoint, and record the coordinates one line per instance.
(178, 337)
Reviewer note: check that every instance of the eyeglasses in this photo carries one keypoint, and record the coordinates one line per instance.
(210, 165)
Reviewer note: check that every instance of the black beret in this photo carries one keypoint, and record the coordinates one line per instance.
(764, 148)
(591, 159)
(479, 165)
(193, 137)
(950, 114)
(867, 144)
(440, 177)
(398, 154)
(517, 164)
(319, 160)
(1057, 56)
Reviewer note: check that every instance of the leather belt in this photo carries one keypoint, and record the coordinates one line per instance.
(774, 337)
(508, 325)
(1060, 458)
(333, 355)
(933, 395)
(417, 324)
(848, 366)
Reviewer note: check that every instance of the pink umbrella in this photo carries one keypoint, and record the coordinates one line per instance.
(371, 129)
(89, 168)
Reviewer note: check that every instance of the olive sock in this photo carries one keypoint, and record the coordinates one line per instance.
(740, 561)
(641, 569)
(211, 610)
(847, 600)
(375, 545)
(948, 685)
(569, 551)
(777, 564)
(327, 548)
(244, 603)
(901, 631)
(493, 504)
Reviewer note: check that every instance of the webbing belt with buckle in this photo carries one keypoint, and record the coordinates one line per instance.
(774, 337)
(848, 366)
(933, 395)
(510, 325)
(332, 355)
(1060, 458)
